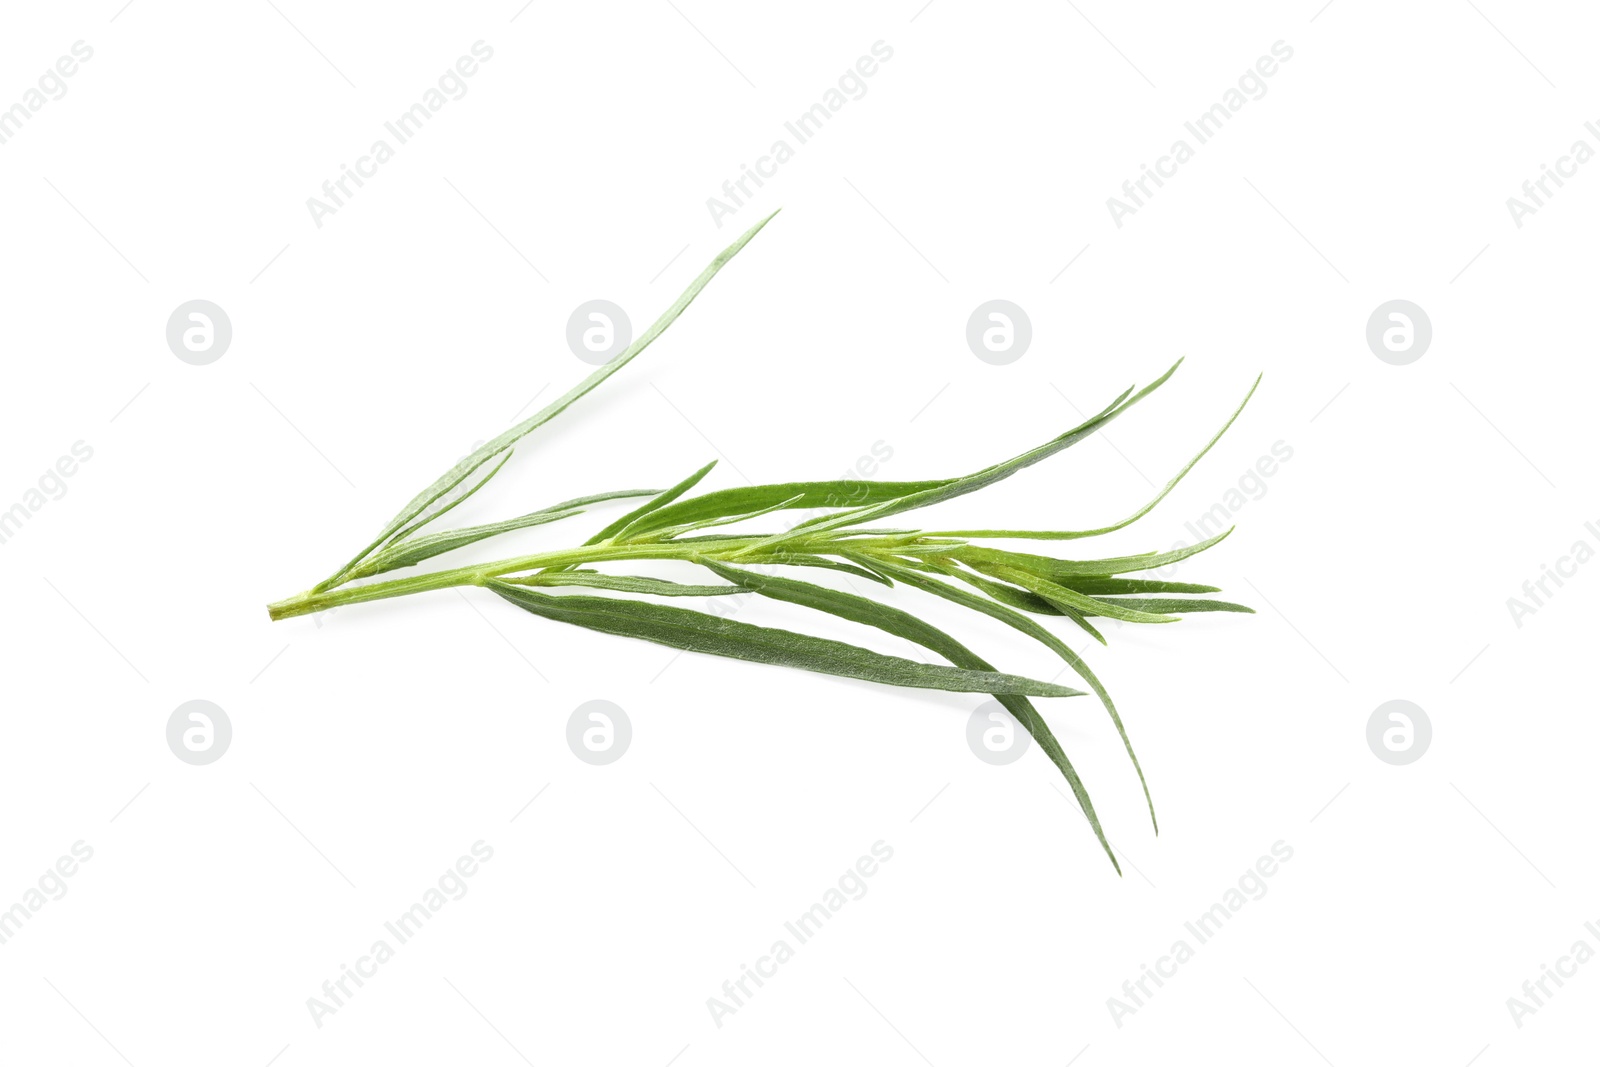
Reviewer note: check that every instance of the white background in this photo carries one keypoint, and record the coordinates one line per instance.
(375, 746)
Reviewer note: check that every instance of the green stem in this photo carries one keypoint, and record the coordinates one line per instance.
(312, 601)
(318, 599)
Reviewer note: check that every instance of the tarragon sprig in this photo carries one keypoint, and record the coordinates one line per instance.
(1008, 586)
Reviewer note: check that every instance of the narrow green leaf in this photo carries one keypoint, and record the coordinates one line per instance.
(402, 524)
(989, 475)
(1164, 606)
(801, 495)
(1067, 535)
(1018, 621)
(845, 605)
(488, 451)
(724, 520)
(411, 552)
(902, 624)
(1064, 598)
(803, 559)
(666, 496)
(1096, 586)
(414, 527)
(1066, 569)
(1024, 599)
(697, 631)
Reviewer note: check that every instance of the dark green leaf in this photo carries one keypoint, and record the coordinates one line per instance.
(697, 631)
(902, 624)
(1021, 622)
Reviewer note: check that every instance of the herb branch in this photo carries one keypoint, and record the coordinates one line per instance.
(1009, 587)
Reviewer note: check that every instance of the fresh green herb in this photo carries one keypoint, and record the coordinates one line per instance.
(1005, 585)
